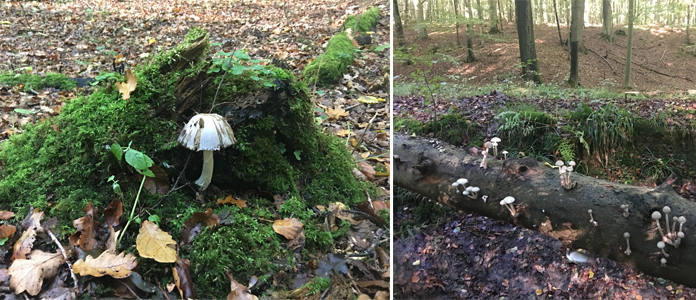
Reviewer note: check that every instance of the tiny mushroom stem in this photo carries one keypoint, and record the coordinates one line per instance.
(680, 236)
(667, 210)
(494, 143)
(674, 223)
(661, 245)
(505, 154)
(663, 262)
(681, 220)
(485, 154)
(571, 164)
(507, 202)
(656, 215)
(625, 210)
(628, 244)
(592, 220)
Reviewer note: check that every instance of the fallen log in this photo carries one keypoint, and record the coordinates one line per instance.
(429, 167)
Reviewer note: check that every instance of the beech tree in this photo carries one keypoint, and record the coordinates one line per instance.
(575, 37)
(525, 34)
(493, 13)
(398, 27)
(469, 33)
(629, 46)
(422, 33)
(607, 21)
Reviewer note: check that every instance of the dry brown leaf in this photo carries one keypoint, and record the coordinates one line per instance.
(154, 243)
(116, 266)
(334, 114)
(127, 87)
(7, 231)
(380, 205)
(364, 297)
(113, 212)
(195, 224)
(345, 132)
(158, 184)
(367, 170)
(381, 295)
(180, 270)
(4, 215)
(28, 274)
(238, 291)
(85, 229)
(287, 227)
(23, 245)
(112, 240)
(231, 200)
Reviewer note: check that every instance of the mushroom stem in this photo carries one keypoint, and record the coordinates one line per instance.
(207, 173)
(628, 244)
(592, 220)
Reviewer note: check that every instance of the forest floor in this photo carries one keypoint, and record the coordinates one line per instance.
(655, 50)
(83, 39)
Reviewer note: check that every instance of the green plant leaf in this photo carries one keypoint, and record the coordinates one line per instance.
(139, 161)
(297, 154)
(117, 150)
(238, 69)
(24, 111)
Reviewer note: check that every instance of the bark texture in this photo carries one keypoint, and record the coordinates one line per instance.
(422, 33)
(429, 167)
(607, 21)
(629, 44)
(525, 34)
(575, 31)
(470, 57)
(398, 27)
(493, 13)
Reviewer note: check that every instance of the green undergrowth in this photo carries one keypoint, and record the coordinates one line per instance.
(36, 81)
(416, 212)
(332, 64)
(453, 128)
(60, 164)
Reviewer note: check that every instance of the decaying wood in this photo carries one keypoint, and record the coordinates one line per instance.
(429, 167)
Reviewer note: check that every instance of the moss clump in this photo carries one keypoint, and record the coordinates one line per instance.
(333, 63)
(37, 82)
(366, 22)
(452, 128)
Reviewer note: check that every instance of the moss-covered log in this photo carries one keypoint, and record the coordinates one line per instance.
(429, 167)
(62, 163)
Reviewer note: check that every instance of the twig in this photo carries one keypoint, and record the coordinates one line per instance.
(663, 54)
(175, 183)
(234, 49)
(131, 290)
(363, 134)
(159, 285)
(62, 251)
(608, 64)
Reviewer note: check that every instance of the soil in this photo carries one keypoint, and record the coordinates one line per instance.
(474, 257)
(655, 49)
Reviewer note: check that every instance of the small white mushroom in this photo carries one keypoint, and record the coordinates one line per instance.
(661, 245)
(576, 256)
(571, 164)
(592, 220)
(505, 154)
(507, 202)
(667, 210)
(628, 244)
(656, 215)
(474, 191)
(681, 220)
(680, 236)
(462, 181)
(625, 209)
(494, 143)
(484, 197)
(483, 164)
(465, 193)
(674, 222)
(663, 262)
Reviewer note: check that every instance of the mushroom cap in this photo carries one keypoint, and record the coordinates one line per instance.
(571, 163)
(468, 188)
(666, 209)
(494, 144)
(680, 235)
(475, 189)
(559, 163)
(624, 205)
(505, 152)
(496, 140)
(577, 257)
(455, 183)
(627, 235)
(488, 145)
(656, 215)
(589, 211)
(509, 199)
(462, 181)
(682, 219)
(465, 193)
(207, 132)
(663, 260)
(569, 169)
(660, 244)
(503, 202)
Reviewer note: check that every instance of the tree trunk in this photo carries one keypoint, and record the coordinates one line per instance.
(398, 27)
(574, 37)
(525, 34)
(558, 23)
(629, 46)
(607, 26)
(581, 28)
(493, 14)
(479, 13)
(688, 22)
(422, 33)
(456, 22)
(501, 14)
(429, 167)
(469, 33)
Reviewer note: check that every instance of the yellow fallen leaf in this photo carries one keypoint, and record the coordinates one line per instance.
(28, 274)
(335, 113)
(154, 243)
(287, 227)
(5, 22)
(24, 244)
(127, 87)
(345, 132)
(231, 200)
(591, 274)
(116, 266)
(539, 292)
(369, 99)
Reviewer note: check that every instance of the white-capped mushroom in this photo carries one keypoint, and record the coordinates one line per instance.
(680, 236)
(507, 202)
(462, 181)
(494, 143)
(625, 210)
(656, 215)
(207, 133)
(663, 262)
(505, 153)
(592, 220)
(661, 245)
(681, 220)
(474, 191)
(628, 244)
(667, 210)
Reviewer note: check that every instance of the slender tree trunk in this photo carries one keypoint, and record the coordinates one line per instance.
(493, 14)
(558, 24)
(469, 33)
(479, 13)
(430, 167)
(607, 26)
(629, 46)
(398, 27)
(422, 33)
(581, 28)
(574, 30)
(456, 22)
(688, 22)
(525, 34)
(501, 14)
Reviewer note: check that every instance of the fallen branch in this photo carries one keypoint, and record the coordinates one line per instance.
(62, 251)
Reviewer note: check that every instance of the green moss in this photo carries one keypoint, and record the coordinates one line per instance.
(38, 82)
(452, 128)
(331, 65)
(367, 21)
(317, 285)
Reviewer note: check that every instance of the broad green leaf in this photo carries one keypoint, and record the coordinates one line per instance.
(381, 48)
(238, 69)
(24, 111)
(241, 55)
(117, 151)
(297, 154)
(139, 161)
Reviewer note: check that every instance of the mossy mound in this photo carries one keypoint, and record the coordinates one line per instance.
(280, 151)
(327, 68)
(37, 82)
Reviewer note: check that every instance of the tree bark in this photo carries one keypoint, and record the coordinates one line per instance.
(429, 167)
(558, 23)
(398, 27)
(493, 14)
(574, 42)
(688, 22)
(456, 20)
(422, 33)
(607, 20)
(629, 46)
(525, 34)
(469, 33)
